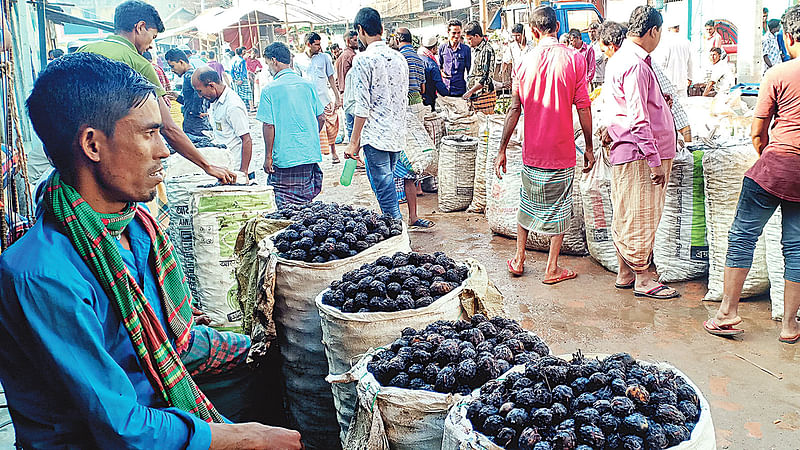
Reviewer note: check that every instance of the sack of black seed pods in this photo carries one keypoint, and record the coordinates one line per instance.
(513, 412)
(405, 389)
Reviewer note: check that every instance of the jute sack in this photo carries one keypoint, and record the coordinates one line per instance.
(458, 117)
(680, 252)
(459, 434)
(595, 188)
(482, 161)
(456, 172)
(723, 171)
(308, 397)
(347, 336)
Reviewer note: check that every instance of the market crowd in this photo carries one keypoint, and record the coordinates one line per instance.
(123, 371)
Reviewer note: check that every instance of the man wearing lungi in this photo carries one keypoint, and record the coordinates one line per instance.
(547, 83)
(643, 141)
(480, 92)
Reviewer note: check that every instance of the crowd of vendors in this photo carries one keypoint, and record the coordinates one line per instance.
(119, 346)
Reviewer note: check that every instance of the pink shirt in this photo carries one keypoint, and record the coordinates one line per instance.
(641, 124)
(591, 61)
(550, 79)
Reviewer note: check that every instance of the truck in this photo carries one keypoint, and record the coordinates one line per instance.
(570, 14)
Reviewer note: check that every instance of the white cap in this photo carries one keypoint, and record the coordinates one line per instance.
(430, 41)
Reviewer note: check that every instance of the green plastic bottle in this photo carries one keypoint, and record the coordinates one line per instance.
(347, 172)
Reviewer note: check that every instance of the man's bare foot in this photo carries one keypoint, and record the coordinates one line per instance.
(647, 284)
(558, 276)
(790, 329)
(516, 266)
(624, 279)
(724, 320)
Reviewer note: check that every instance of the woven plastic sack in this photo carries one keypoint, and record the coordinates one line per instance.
(218, 213)
(773, 232)
(478, 204)
(723, 171)
(459, 434)
(456, 172)
(309, 401)
(420, 149)
(595, 188)
(680, 252)
(458, 118)
(434, 125)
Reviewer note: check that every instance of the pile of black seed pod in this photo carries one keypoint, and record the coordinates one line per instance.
(396, 283)
(455, 356)
(323, 232)
(614, 403)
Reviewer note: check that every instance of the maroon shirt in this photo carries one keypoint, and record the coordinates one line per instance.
(343, 64)
(778, 168)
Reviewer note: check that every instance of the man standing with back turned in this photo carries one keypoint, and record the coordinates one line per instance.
(547, 83)
(643, 143)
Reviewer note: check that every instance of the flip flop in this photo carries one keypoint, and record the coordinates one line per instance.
(515, 272)
(566, 274)
(653, 293)
(722, 330)
(420, 224)
(791, 340)
(625, 286)
(335, 160)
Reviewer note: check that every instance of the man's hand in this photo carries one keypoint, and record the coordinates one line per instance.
(224, 175)
(268, 165)
(352, 152)
(466, 95)
(657, 175)
(201, 115)
(254, 436)
(200, 318)
(500, 164)
(338, 103)
(605, 139)
(588, 160)
(172, 95)
(668, 98)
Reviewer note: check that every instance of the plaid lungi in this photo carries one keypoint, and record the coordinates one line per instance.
(545, 200)
(244, 92)
(330, 129)
(212, 352)
(484, 103)
(298, 184)
(638, 205)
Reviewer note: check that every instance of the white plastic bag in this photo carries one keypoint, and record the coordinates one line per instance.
(773, 232)
(595, 189)
(420, 149)
(680, 252)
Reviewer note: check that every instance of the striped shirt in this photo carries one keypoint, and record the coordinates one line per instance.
(416, 70)
(678, 113)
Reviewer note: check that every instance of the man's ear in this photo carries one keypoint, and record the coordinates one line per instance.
(91, 143)
(140, 27)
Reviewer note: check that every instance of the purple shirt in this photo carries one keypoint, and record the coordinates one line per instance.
(217, 68)
(641, 124)
(455, 64)
(591, 62)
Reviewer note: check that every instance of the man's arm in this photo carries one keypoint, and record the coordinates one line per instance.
(361, 107)
(247, 153)
(759, 133)
(766, 108)
(591, 64)
(178, 140)
(321, 123)
(441, 88)
(709, 89)
(635, 88)
(337, 103)
(585, 119)
(512, 118)
(268, 130)
(238, 120)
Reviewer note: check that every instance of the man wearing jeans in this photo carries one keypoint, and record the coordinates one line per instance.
(771, 182)
(380, 82)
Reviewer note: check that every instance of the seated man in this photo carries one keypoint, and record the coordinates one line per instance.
(94, 309)
(720, 76)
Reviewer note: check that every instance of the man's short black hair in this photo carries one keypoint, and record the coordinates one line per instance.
(643, 19)
(208, 76)
(454, 23)
(349, 35)
(240, 51)
(82, 90)
(716, 50)
(544, 19)
(312, 37)
(791, 22)
(473, 29)
(369, 20)
(404, 36)
(334, 46)
(279, 51)
(176, 55)
(575, 33)
(131, 12)
(773, 25)
(612, 33)
(594, 25)
(518, 28)
(711, 23)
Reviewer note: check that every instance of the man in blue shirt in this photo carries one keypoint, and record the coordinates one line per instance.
(293, 117)
(433, 76)
(455, 59)
(195, 108)
(68, 362)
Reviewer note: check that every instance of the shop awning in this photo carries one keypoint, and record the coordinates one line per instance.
(56, 14)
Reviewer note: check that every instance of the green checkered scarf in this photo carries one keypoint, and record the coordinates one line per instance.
(93, 236)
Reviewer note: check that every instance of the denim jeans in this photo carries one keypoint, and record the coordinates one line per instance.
(380, 170)
(755, 208)
(348, 124)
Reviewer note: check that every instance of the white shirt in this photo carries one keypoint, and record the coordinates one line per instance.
(722, 76)
(316, 69)
(674, 55)
(514, 53)
(380, 85)
(229, 122)
(600, 63)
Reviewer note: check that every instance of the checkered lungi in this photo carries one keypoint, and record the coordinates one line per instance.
(244, 92)
(212, 352)
(298, 184)
(545, 200)
(637, 204)
(484, 103)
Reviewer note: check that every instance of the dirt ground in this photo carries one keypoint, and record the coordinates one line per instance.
(751, 409)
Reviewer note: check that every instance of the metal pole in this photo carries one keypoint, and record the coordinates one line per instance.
(689, 24)
(40, 6)
(286, 21)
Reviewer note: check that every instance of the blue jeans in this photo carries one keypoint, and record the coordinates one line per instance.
(380, 170)
(755, 208)
(348, 124)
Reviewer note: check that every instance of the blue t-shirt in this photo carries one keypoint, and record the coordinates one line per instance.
(71, 374)
(290, 103)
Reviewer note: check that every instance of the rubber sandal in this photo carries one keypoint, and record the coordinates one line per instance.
(566, 274)
(335, 160)
(516, 273)
(791, 340)
(420, 224)
(723, 330)
(625, 286)
(653, 293)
